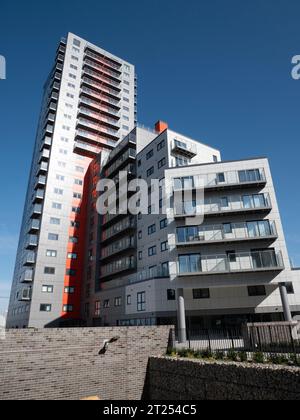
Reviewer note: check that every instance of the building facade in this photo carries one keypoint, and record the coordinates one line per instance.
(230, 267)
(89, 104)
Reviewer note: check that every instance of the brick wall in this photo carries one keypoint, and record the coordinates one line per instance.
(179, 379)
(64, 363)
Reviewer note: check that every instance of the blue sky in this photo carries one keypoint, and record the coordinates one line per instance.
(216, 70)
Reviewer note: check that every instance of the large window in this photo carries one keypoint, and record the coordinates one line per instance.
(190, 263)
(251, 175)
(141, 301)
(254, 201)
(201, 293)
(260, 228)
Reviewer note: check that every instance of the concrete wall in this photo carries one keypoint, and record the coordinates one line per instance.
(64, 363)
(172, 379)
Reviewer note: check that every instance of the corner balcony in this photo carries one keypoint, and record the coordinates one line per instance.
(117, 267)
(32, 242)
(34, 226)
(25, 295)
(44, 156)
(94, 139)
(226, 233)
(38, 196)
(29, 258)
(27, 276)
(222, 180)
(246, 262)
(42, 168)
(84, 149)
(36, 211)
(183, 148)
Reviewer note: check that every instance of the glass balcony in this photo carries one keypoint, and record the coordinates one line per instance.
(100, 96)
(153, 273)
(34, 225)
(46, 143)
(29, 259)
(198, 265)
(117, 247)
(85, 149)
(103, 59)
(101, 78)
(101, 129)
(183, 148)
(89, 137)
(120, 227)
(116, 166)
(45, 155)
(103, 69)
(100, 86)
(229, 232)
(221, 180)
(118, 266)
(25, 295)
(27, 276)
(42, 168)
(32, 242)
(40, 182)
(100, 107)
(38, 195)
(36, 210)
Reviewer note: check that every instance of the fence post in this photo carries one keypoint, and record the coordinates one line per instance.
(209, 343)
(292, 340)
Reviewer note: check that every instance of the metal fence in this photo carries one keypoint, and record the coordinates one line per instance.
(271, 339)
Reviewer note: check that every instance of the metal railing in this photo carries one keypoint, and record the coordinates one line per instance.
(197, 264)
(271, 339)
(235, 231)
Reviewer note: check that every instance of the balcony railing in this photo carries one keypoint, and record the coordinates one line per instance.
(25, 295)
(42, 168)
(252, 203)
(102, 69)
(100, 128)
(183, 148)
(197, 265)
(230, 232)
(118, 246)
(41, 181)
(102, 87)
(102, 78)
(85, 149)
(221, 180)
(32, 242)
(27, 276)
(120, 162)
(36, 210)
(103, 60)
(99, 117)
(29, 259)
(100, 107)
(118, 228)
(118, 266)
(153, 273)
(100, 97)
(95, 139)
(34, 225)
(38, 195)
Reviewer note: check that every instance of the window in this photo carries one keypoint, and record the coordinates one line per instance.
(129, 300)
(118, 302)
(72, 76)
(69, 95)
(140, 234)
(62, 164)
(75, 224)
(76, 210)
(63, 151)
(47, 289)
(66, 127)
(45, 308)
(290, 288)
(171, 294)
(215, 158)
(227, 228)
(221, 178)
(181, 161)
(57, 206)
(70, 290)
(72, 256)
(149, 154)
(150, 171)
(53, 237)
(260, 228)
(251, 175)
(231, 255)
(78, 181)
(125, 108)
(77, 195)
(163, 223)
(201, 294)
(161, 145)
(97, 308)
(151, 229)
(68, 308)
(256, 291)
(106, 303)
(190, 263)
(224, 202)
(73, 239)
(54, 221)
(73, 67)
(79, 169)
(164, 246)
(71, 85)
(140, 255)
(51, 253)
(71, 272)
(165, 269)
(73, 57)
(49, 270)
(125, 127)
(58, 191)
(161, 163)
(125, 118)
(76, 42)
(60, 177)
(141, 301)
(152, 251)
